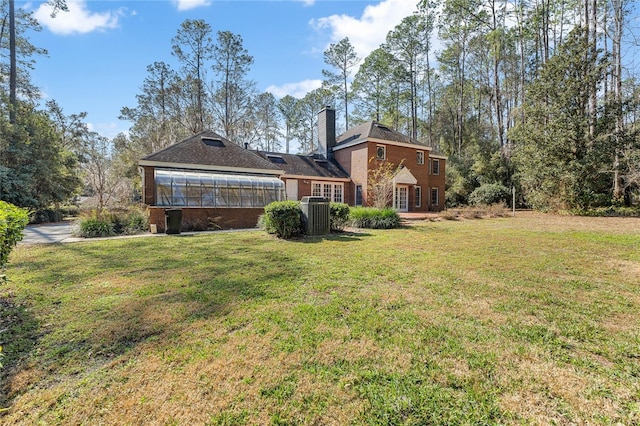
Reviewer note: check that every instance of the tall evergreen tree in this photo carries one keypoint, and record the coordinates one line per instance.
(341, 56)
(233, 91)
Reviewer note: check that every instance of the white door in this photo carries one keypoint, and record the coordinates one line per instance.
(291, 186)
(401, 201)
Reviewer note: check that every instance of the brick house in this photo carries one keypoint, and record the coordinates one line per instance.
(418, 186)
(212, 179)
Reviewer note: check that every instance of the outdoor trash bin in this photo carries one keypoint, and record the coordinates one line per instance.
(316, 214)
(173, 221)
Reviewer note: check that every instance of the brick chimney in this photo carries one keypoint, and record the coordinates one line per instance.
(327, 131)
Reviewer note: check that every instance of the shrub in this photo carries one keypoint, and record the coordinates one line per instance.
(373, 218)
(12, 222)
(283, 218)
(94, 227)
(70, 211)
(489, 193)
(46, 215)
(339, 216)
(137, 222)
(115, 222)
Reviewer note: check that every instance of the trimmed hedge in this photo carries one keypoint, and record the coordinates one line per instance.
(373, 218)
(282, 218)
(13, 220)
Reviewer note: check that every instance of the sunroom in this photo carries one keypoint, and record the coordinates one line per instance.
(214, 182)
(177, 188)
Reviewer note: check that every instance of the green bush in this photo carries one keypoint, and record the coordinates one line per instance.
(283, 218)
(611, 211)
(115, 222)
(46, 216)
(369, 217)
(339, 216)
(137, 222)
(94, 227)
(12, 222)
(489, 193)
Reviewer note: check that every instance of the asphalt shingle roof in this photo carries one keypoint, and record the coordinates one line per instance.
(210, 149)
(305, 165)
(375, 130)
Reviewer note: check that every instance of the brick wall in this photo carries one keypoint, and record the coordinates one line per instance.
(359, 159)
(149, 186)
(230, 218)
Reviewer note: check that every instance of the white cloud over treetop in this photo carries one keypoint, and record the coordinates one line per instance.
(183, 5)
(369, 31)
(78, 20)
(297, 90)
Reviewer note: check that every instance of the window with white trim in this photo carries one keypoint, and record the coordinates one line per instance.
(435, 166)
(434, 196)
(328, 189)
(316, 189)
(332, 191)
(337, 194)
(418, 194)
(381, 152)
(419, 157)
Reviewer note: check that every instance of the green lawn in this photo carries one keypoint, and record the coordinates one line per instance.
(526, 320)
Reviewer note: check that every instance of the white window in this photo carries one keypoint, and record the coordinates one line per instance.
(434, 196)
(316, 189)
(381, 152)
(337, 194)
(419, 157)
(327, 190)
(332, 191)
(418, 196)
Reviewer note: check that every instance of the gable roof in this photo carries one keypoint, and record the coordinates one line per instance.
(405, 177)
(305, 165)
(374, 130)
(209, 151)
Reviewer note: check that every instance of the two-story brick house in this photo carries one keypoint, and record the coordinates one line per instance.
(210, 178)
(419, 183)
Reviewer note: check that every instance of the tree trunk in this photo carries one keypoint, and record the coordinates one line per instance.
(13, 73)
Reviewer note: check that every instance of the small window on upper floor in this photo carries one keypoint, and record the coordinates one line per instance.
(381, 152)
(435, 167)
(419, 157)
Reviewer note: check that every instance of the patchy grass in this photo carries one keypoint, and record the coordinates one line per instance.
(526, 320)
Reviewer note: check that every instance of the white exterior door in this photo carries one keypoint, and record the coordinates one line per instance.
(401, 199)
(291, 186)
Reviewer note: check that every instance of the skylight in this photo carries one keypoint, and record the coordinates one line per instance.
(213, 142)
(276, 159)
(382, 127)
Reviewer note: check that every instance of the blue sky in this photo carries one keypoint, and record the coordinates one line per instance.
(99, 50)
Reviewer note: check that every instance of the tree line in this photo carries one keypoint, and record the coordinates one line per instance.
(531, 94)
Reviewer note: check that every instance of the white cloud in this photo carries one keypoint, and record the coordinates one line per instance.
(183, 5)
(297, 90)
(78, 20)
(369, 31)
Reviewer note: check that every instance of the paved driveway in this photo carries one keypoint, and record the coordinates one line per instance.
(48, 233)
(61, 232)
